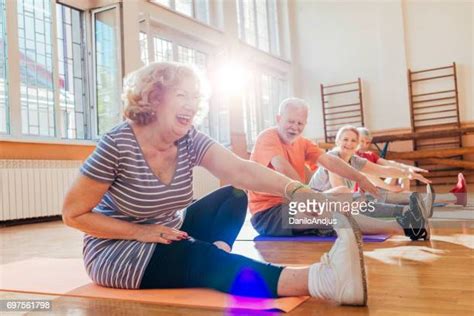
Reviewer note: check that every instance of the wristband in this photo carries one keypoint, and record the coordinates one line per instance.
(285, 192)
(298, 186)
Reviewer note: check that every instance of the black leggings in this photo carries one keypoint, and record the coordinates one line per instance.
(197, 262)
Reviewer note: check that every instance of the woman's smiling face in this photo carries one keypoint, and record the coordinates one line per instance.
(348, 142)
(178, 106)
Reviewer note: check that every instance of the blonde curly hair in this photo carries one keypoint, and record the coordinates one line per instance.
(144, 87)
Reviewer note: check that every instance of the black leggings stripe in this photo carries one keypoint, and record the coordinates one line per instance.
(198, 263)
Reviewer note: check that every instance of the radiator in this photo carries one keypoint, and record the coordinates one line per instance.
(36, 188)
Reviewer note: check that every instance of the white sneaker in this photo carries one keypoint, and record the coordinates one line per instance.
(340, 276)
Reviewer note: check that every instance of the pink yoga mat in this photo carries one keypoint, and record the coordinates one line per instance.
(68, 277)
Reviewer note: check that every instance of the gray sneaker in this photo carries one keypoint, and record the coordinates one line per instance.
(415, 221)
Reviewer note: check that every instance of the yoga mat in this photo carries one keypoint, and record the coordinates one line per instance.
(366, 238)
(248, 233)
(456, 215)
(68, 277)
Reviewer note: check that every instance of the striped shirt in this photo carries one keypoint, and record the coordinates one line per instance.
(136, 195)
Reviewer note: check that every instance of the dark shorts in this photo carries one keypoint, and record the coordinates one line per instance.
(270, 223)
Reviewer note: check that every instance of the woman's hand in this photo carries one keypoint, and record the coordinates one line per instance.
(394, 188)
(367, 186)
(159, 234)
(416, 169)
(416, 176)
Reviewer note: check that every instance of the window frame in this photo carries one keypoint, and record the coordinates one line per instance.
(6, 85)
(274, 41)
(257, 95)
(87, 85)
(94, 133)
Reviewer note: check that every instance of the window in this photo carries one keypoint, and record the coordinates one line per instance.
(220, 118)
(246, 21)
(107, 68)
(198, 9)
(163, 49)
(258, 24)
(262, 26)
(4, 113)
(194, 57)
(201, 10)
(184, 6)
(216, 124)
(61, 94)
(166, 3)
(261, 103)
(251, 115)
(72, 83)
(36, 67)
(144, 47)
(49, 105)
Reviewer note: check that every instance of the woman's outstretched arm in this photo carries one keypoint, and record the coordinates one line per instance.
(252, 176)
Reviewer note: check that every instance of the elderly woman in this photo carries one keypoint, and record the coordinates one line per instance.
(458, 193)
(411, 220)
(132, 200)
(391, 184)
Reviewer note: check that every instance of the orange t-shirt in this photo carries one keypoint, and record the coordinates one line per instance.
(298, 154)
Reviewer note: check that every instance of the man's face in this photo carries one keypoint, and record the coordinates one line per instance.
(291, 123)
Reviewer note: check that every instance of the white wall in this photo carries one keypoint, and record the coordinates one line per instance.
(338, 41)
(439, 33)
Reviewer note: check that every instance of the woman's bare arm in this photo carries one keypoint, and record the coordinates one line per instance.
(252, 176)
(392, 172)
(85, 194)
(241, 173)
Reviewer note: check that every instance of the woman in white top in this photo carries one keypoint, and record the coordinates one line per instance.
(414, 215)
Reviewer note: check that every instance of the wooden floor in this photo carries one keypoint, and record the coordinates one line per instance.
(409, 278)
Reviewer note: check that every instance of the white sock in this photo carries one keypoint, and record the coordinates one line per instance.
(321, 281)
